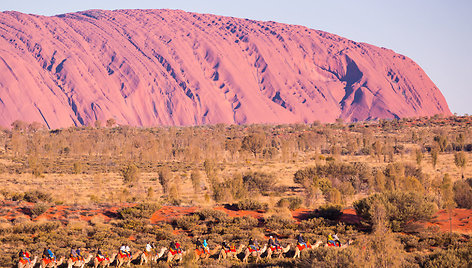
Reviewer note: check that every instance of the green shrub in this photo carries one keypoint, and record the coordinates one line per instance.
(463, 194)
(141, 211)
(401, 208)
(246, 222)
(259, 181)
(327, 257)
(277, 222)
(459, 257)
(187, 222)
(292, 203)
(313, 225)
(39, 208)
(251, 204)
(330, 211)
(165, 178)
(130, 173)
(32, 196)
(212, 214)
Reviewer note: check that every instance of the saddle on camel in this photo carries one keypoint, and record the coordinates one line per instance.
(75, 255)
(302, 244)
(48, 256)
(274, 245)
(253, 245)
(24, 257)
(333, 241)
(202, 248)
(124, 252)
(229, 248)
(175, 248)
(101, 257)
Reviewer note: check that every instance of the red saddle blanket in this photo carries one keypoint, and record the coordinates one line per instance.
(331, 244)
(252, 249)
(275, 248)
(74, 259)
(102, 259)
(173, 252)
(23, 261)
(123, 255)
(47, 261)
(302, 247)
(201, 251)
(232, 249)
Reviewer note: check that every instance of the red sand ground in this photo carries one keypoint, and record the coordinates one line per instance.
(461, 218)
(168, 213)
(461, 221)
(241, 213)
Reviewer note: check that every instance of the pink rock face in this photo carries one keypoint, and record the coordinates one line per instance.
(162, 67)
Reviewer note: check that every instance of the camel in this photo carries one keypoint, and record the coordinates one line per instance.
(79, 263)
(231, 254)
(104, 263)
(46, 263)
(152, 258)
(125, 260)
(175, 257)
(26, 264)
(200, 254)
(256, 253)
(298, 248)
(279, 251)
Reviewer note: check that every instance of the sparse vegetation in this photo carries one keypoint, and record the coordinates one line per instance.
(98, 187)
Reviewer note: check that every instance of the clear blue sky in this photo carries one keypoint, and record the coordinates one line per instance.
(437, 34)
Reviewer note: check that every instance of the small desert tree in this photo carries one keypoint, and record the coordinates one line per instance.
(434, 156)
(165, 177)
(447, 195)
(419, 156)
(460, 160)
(254, 143)
(130, 173)
(195, 177)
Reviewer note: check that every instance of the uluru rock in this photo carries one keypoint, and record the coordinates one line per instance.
(166, 67)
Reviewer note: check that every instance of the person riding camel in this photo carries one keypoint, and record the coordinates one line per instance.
(51, 255)
(100, 254)
(79, 255)
(253, 244)
(225, 246)
(277, 243)
(271, 242)
(24, 255)
(205, 246)
(128, 251)
(148, 248)
(45, 253)
(123, 250)
(301, 241)
(73, 253)
(334, 240)
(199, 244)
(175, 247)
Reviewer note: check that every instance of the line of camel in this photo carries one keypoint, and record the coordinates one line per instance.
(154, 256)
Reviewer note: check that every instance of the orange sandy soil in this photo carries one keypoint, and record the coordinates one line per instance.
(168, 213)
(461, 221)
(461, 218)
